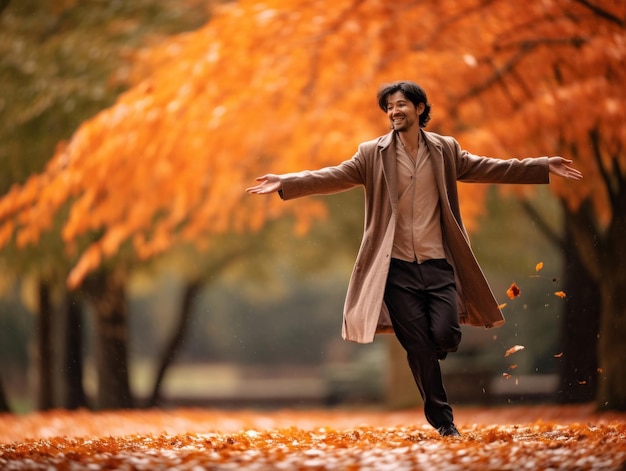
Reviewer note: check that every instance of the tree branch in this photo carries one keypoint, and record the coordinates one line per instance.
(601, 12)
(575, 41)
(607, 177)
(191, 291)
(498, 74)
(524, 48)
(542, 224)
(447, 22)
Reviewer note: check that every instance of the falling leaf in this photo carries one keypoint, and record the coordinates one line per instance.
(582, 382)
(514, 349)
(560, 294)
(506, 375)
(538, 267)
(512, 367)
(558, 355)
(502, 306)
(513, 291)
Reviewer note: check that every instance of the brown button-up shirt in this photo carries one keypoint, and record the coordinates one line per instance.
(418, 223)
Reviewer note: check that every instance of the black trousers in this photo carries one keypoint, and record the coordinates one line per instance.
(421, 299)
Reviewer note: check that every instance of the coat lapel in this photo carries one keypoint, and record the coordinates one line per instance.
(436, 155)
(387, 147)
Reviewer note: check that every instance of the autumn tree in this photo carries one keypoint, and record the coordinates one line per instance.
(59, 64)
(553, 74)
(210, 110)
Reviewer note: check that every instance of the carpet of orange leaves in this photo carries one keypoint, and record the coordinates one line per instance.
(512, 438)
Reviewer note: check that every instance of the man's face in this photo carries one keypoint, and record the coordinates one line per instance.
(402, 113)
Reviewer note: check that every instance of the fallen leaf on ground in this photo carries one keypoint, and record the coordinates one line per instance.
(547, 437)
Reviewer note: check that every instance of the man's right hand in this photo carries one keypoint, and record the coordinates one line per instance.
(269, 183)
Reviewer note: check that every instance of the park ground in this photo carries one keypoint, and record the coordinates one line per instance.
(498, 438)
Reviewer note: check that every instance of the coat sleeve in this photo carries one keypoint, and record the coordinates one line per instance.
(327, 180)
(478, 169)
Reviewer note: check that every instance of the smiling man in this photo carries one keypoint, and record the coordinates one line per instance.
(415, 273)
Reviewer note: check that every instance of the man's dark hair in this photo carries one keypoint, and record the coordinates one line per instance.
(412, 92)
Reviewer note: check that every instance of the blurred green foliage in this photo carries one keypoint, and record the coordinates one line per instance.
(62, 62)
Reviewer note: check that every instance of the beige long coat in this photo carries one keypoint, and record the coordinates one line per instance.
(374, 167)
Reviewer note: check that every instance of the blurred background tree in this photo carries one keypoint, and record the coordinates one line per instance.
(60, 63)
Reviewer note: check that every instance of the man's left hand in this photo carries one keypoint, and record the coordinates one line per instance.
(561, 167)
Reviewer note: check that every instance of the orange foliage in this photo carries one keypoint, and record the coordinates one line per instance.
(501, 438)
(549, 81)
(287, 85)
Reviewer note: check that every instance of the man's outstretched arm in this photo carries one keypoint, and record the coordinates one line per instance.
(560, 167)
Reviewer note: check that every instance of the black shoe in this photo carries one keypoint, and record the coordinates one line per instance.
(441, 355)
(448, 431)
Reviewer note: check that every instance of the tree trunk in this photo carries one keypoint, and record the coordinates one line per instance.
(107, 295)
(612, 347)
(45, 386)
(604, 255)
(73, 363)
(190, 293)
(581, 315)
(580, 326)
(4, 404)
(3, 5)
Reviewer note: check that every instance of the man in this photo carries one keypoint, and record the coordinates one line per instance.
(415, 273)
